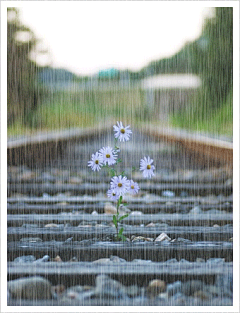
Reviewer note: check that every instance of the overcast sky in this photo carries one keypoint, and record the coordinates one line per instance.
(85, 37)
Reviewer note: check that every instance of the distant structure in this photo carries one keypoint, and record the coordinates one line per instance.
(167, 93)
(108, 73)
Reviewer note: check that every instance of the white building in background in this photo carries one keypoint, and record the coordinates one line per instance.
(167, 93)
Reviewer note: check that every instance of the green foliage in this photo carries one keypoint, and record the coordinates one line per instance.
(213, 120)
(217, 63)
(211, 109)
(22, 95)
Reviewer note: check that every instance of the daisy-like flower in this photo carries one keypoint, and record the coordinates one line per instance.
(122, 133)
(134, 188)
(108, 155)
(96, 162)
(112, 194)
(147, 167)
(120, 184)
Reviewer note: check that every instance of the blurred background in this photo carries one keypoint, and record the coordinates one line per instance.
(160, 65)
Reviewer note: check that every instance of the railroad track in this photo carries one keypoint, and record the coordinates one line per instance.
(61, 239)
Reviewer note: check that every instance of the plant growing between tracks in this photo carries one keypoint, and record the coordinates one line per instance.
(107, 157)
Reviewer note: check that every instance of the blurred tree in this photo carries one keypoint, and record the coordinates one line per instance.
(216, 65)
(22, 95)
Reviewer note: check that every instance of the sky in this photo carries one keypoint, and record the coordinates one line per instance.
(85, 37)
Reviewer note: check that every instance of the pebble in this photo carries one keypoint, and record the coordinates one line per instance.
(31, 239)
(216, 260)
(109, 288)
(136, 213)
(133, 291)
(170, 261)
(190, 287)
(183, 261)
(75, 180)
(109, 208)
(225, 283)
(30, 288)
(200, 260)
(196, 210)
(141, 261)
(183, 194)
(57, 259)
(163, 296)
(179, 299)
(102, 261)
(25, 258)
(216, 225)
(174, 288)
(51, 225)
(137, 239)
(116, 259)
(181, 240)
(26, 175)
(69, 240)
(73, 259)
(58, 290)
(151, 225)
(155, 287)
(168, 193)
(201, 294)
(163, 237)
(30, 225)
(46, 258)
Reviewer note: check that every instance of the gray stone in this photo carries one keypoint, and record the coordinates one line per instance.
(183, 261)
(216, 260)
(31, 239)
(181, 240)
(155, 287)
(30, 288)
(110, 288)
(168, 193)
(30, 225)
(190, 287)
(133, 291)
(174, 288)
(116, 259)
(225, 283)
(141, 261)
(196, 210)
(171, 261)
(25, 258)
(183, 194)
(163, 237)
(45, 258)
(178, 299)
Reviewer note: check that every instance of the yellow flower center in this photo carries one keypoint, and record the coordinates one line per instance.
(119, 185)
(148, 166)
(132, 187)
(96, 162)
(122, 131)
(108, 156)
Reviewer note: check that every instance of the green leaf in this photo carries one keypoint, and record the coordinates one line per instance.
(119, 200)
(122, 217)
(120, 231)
(122, 237)
(112, 172)
(115, 220)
